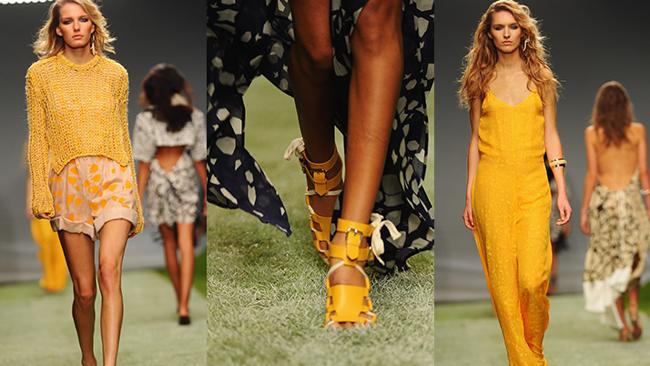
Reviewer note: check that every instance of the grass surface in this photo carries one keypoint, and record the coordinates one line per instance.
(37, 328)
(644, 298)
(265, 290)
(574, 338)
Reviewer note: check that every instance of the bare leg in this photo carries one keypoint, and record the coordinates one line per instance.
(633, 303)
(374, 88)
(633, 308)
(312, 75)
(620, 310)
(112, 238)
(311, 71)
(185, 243)
(171, 259)
(80, 256)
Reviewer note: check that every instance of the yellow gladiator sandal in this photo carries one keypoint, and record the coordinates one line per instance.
(316, 173)
(350, 303)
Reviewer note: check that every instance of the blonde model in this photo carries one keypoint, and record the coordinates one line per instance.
(511, 94)
(80, 161)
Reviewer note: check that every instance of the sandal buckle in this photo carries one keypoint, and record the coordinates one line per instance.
(352, 244)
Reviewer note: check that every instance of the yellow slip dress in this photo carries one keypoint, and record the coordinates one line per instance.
(511, 202)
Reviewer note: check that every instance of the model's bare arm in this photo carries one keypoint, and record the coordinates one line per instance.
(472, 161)
(553, 151)
(590, 178)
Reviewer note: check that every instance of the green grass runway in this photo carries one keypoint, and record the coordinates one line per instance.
(265, 291)
(468, 334)
(37, 328)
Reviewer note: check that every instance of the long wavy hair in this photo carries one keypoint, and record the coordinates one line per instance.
(482, 57)
(612, 113)
(48, 43)
(166, 93)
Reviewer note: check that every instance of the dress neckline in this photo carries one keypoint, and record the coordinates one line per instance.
(530, 94)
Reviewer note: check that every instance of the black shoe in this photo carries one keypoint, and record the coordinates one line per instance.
(184, 320)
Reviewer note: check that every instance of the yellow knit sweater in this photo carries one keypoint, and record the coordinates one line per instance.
(75, 110)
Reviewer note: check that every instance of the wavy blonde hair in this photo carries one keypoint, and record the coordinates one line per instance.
(48, 43)
(482, 57)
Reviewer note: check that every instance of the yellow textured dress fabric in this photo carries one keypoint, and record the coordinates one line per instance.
(75, 110)
(512, 202)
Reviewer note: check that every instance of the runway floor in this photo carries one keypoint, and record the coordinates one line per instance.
(37, 328)
(468, 334)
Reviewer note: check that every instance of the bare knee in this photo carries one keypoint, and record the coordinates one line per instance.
(316, 58)
(378, 26)
(85, 293)
(109, 276)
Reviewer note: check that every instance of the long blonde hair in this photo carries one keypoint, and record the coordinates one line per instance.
(482, 57)
(48, 43)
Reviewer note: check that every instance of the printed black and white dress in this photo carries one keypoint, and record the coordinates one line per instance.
(250, 38)
(170, 196)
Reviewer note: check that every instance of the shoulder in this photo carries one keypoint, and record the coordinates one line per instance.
(590, 133)
(197, 116)
(547, 73)
(637, 129)
(40, 67)
(144, 118)
(114, 68)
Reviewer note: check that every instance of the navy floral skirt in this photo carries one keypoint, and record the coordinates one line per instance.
(252, 38)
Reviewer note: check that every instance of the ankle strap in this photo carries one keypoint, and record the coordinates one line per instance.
(353, 231)
(315, 172)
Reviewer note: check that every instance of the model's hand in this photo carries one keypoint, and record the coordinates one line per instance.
(565, 209)
(468, 216)
(44, 216)
(584, 222)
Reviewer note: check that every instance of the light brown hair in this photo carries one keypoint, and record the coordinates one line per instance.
(612, 113)
(480, 61)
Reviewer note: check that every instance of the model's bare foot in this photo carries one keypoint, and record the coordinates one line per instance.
(637, 331)
(624, 335)
(349, 276)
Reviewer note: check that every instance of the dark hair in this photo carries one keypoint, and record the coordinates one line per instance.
(160, 85)
(612, 112)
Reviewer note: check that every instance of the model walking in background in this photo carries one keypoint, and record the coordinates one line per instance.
(79, 141)
(169, 145)
(613, 211)
(511, 95)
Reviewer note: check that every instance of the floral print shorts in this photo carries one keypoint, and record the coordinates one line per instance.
(90, 191)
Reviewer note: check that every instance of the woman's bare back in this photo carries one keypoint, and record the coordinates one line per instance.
(617, 164)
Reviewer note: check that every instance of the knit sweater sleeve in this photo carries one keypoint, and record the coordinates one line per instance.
(38, 148)
(123, 100)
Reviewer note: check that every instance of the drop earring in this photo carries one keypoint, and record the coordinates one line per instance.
(92, 44)
(525, 45)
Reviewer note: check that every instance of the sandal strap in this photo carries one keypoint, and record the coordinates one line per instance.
(316, 172)
(376, 242)
(354, 232)
(348, 303)
(320, 226)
